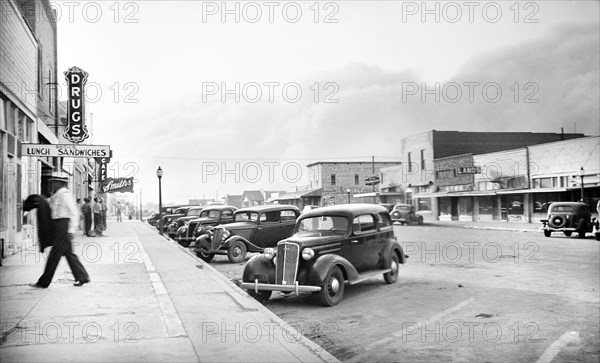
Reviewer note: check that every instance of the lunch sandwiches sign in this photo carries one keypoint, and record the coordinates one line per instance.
(76, 131)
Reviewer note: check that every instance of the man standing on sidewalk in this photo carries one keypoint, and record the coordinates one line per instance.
(86, 211)
(119, 212)
(97, 218)
(65, 217)
(103, 211)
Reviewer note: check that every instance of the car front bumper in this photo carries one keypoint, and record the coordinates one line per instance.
(256, 287)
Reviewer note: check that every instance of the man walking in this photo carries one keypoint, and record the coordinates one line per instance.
(65, 217)
(103, 210)
(119, 212)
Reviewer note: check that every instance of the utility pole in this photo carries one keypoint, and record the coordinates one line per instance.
(373, 174)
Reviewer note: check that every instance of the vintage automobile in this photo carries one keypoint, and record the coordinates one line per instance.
(405, 214)
(209, 217)
(569, 217)
(179, 212)
(331, 245)
(253, 229)
(191, 213)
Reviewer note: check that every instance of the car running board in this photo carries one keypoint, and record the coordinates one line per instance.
(368, 275)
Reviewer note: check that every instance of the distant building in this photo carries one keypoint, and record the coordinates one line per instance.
(509, 184)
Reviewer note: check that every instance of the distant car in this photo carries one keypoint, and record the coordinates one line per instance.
(253, 229)
(179, 212)
(191, 213)
(210, 216)
(405, 214)
(331, 245)
(389, 207)
(569, 217)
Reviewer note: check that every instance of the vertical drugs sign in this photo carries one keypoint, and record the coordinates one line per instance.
(75, 130)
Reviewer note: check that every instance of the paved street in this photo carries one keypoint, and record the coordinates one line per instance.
(149, 300)
(465, 294)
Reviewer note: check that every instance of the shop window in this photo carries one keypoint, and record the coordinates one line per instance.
(515, 204)
(465, 206)
(486, 205)
(424, 204)
(445, 207)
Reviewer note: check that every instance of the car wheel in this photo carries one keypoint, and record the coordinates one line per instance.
(581, 229)
(420, 221)
(237, 252)
(262, 296)
(597, 236)
(185, 243)
(333, 289)
(392, 276)
(567, 233)
(547, 233)
(205, 256)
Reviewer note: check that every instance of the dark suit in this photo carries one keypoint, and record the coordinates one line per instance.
(44, 220)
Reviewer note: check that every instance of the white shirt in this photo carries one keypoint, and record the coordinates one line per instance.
(62, 205)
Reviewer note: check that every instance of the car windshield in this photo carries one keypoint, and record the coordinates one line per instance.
(562, 209)
(246, 217)
(194, 212)
(210, 214)
(323, 225)
(180, 211)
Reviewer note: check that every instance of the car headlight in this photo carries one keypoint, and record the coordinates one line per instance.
(308, 253)
(269, 253)
(226, 235)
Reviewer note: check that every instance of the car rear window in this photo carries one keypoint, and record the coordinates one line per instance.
(561, 209)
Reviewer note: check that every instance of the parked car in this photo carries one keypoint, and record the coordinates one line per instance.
(209, 217)
(179, 212)
(405, 214)
(152, 218)
(569, 217)
(388, 206)
(191, 213)
(330, 245)
(253, 229)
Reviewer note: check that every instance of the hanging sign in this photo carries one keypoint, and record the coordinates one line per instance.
(113, 185)
(76, 131)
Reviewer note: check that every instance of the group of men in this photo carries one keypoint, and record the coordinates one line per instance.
(93, 214)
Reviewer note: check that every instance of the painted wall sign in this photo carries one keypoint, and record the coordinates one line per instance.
(113, 185)
(76, 131)
(68, 150)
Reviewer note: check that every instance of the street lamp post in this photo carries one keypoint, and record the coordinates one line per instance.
(581, 171)
(140, 204)
(348, 192)
(159, 174)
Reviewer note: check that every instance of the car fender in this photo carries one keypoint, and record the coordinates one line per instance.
(317, 272)
(394, 247)
(250, 247)
(261, 268)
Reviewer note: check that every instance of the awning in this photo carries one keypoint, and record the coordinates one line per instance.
(314, 193)
(298, 195)
(378, 194)
(547, 190)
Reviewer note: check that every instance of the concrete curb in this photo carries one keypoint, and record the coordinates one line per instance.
(250, 304)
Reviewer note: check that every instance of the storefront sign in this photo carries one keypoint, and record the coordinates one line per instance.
(468, 170)
(76, 131)
(74, 151)
(113, 185)
(103, 167)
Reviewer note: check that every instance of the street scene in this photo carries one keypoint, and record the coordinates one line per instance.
(352, 181)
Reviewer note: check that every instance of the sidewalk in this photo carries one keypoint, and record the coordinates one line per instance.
(149, 300)
(497, 225)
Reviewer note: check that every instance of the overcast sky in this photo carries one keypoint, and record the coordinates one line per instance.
(341, 80)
